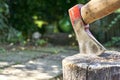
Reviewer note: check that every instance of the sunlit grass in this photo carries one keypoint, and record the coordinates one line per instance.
(38, 22)
(117, 11)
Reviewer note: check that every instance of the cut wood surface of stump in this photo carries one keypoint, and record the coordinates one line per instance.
(91, 67)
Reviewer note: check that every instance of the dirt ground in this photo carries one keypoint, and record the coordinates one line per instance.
(34, 62)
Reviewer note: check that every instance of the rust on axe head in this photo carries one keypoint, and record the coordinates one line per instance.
(87, 43)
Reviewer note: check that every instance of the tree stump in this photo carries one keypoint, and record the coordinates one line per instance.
(92, 67)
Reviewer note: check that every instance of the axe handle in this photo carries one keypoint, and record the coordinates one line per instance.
(96, 9)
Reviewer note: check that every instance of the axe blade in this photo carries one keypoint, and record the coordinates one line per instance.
(87, 42)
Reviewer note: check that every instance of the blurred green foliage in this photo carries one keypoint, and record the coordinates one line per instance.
(41, 42)
(19, 19)
(4, 11)
(28, 16)
(65, 25)
(115, 42)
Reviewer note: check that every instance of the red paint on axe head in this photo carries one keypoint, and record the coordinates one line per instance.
(75, 13)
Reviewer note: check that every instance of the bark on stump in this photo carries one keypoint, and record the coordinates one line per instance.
(91, 67)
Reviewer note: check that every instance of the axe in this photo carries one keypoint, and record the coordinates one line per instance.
(82, 15)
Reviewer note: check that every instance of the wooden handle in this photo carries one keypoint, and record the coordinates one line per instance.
(96, 9)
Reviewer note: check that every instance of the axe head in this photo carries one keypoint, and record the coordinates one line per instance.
(87, 43)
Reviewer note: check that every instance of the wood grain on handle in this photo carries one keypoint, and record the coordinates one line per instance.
(96, 9)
